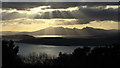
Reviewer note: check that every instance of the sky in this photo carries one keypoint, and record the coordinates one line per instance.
(60, 0)
(28, 16)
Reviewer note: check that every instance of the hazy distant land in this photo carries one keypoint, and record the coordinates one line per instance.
(87, 31)
(76, 37)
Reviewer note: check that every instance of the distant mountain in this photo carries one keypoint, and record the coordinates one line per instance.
(85, 36)
(87, 31)
(56, 31)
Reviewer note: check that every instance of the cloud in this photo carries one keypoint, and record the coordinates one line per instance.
(25, 24)
(41, 12)
(60, 1)
(98, 14)
(24, 5)
(83, 14)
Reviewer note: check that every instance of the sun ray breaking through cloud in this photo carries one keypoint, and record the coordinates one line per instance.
(44, 16)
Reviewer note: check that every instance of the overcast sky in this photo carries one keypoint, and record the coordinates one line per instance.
(28, 16)
(60, 0)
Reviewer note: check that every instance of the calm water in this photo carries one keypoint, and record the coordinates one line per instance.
(66, 36)
(48, 36)
(26, 49)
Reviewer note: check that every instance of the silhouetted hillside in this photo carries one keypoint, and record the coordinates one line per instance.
(72, 41)
(17, 37)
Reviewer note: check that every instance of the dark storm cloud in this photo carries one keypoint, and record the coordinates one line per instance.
(13, 15)
(20, 5)
(60, 0)
(24, 5)
(85, 15)
(98, 14)
(56, 14)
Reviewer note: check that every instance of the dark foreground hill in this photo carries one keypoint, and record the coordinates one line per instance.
(17, 37)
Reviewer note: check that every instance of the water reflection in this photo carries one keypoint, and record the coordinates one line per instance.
(65, 36)
(26, 49)
(52, 50)
(48, 35)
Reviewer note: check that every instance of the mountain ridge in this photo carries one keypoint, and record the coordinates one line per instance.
(64, 31)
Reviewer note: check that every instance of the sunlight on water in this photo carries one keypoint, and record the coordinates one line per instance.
(65, 36)
(26, 49)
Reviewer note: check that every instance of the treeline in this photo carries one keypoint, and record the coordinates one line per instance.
(81, 57)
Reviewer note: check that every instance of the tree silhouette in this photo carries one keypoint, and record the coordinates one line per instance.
(9, 54)
(82, 57)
